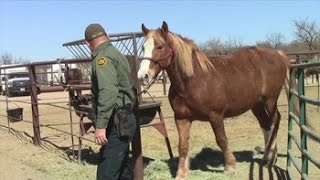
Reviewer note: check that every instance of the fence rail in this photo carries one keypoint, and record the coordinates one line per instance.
(301, 164)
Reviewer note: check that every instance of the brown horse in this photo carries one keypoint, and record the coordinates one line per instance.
(71, 77)
(213, 89)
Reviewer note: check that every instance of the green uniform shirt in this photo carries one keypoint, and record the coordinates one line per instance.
(111, 83)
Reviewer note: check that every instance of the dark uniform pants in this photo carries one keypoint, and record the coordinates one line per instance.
(114, 162)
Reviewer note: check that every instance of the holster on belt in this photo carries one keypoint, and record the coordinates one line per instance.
(121, 119)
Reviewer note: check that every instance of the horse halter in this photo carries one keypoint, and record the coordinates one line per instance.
(160, 61)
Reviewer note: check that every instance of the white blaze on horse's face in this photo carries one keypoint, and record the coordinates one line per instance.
(144, 72)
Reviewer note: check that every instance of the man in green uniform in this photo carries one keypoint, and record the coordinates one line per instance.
(111, 87)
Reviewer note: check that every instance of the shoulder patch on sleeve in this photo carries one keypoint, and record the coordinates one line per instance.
(101, 61)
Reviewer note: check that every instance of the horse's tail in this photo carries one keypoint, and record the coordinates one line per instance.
(287, 84)
(288, 65)
(294, 86)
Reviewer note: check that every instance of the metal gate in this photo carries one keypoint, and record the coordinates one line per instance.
(299, 164)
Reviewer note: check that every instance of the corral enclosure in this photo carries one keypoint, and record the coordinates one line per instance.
(54, 158)
(55, 154)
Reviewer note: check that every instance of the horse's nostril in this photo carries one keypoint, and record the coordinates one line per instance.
(146, 76)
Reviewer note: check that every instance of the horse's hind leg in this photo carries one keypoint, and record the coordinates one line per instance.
(217, 124)
(269, 119)
(183, 126)
(270, 156)
(261, 114)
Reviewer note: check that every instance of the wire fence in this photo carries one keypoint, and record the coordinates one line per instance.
(56, 126)
(53, 126)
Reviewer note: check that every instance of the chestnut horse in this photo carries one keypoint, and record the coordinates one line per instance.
(71, 77)
(211, 89)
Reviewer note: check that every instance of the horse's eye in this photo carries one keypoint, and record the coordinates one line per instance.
(159, 47)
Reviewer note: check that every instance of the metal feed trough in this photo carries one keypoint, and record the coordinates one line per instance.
(130, 45)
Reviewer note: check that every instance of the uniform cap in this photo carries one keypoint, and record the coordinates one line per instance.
(93, 31)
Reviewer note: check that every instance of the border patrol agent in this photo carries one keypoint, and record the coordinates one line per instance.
(111, 86)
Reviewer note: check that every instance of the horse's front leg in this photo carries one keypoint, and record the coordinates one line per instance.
(217, 124)
(183, 126)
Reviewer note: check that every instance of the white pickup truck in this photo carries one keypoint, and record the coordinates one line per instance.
(14, 80)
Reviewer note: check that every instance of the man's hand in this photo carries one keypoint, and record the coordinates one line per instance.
(100, 136)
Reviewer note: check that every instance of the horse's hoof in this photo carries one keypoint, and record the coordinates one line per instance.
(270, 159)
(270, 162)
(180, 178)
(229, 170)
(229, 173)
(259, 150)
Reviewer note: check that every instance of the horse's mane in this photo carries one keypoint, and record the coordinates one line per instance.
(183, 54)
(184, 49)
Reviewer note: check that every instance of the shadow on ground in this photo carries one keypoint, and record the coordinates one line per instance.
(209, 160)
(272, 172)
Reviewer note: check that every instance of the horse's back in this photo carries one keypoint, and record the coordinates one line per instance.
(236, 83)
(270, 63)
(273, 65)
(250, 75)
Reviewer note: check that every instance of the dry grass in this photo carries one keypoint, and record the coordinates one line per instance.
(54, 157)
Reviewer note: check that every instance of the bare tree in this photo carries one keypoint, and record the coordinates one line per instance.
(7, 58)
(296, 46)
(308, 32)
(276, 40)
(232, 45)
(21, 60)
(273, 40)
(215, 46)
(264, 44)
(212, 46)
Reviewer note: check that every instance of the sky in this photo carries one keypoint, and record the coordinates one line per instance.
(35, 30)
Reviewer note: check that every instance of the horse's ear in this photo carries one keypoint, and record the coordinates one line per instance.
(144, 30)
(164, 28)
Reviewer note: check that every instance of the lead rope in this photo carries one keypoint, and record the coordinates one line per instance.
(146, 88)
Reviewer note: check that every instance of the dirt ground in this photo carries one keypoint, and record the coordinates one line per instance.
(21, 160)
(17, 151)
(12, 166)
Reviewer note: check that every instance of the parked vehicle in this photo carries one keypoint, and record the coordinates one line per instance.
(14, 80)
